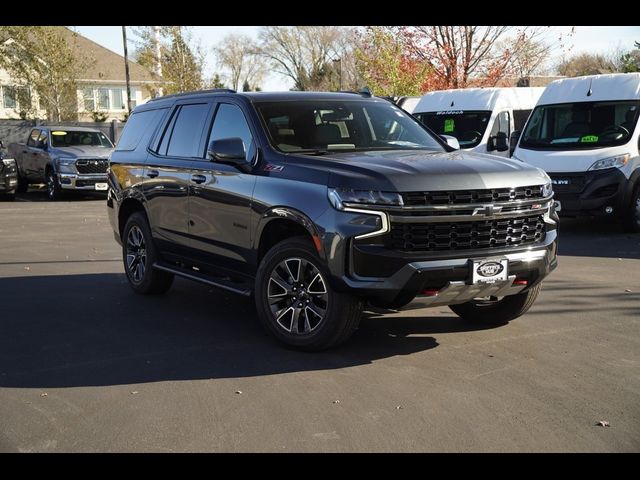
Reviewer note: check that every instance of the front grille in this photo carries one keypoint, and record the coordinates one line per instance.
(92, 166)
(458, 197)
(567, 183)
(484, 234)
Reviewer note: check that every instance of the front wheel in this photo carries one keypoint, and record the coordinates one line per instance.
(139, 254)
(497, 312)
(54, 191)
(633, 216)
(295, 302)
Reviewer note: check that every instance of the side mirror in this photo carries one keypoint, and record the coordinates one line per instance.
(513, 141)
(229, 150)
(451, 141)
(500, 142)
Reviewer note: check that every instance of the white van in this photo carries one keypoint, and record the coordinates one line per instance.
(481, 119)
(584, 134)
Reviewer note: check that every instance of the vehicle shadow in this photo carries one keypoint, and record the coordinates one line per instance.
(38, 193)
(91, 330)
(588, 237)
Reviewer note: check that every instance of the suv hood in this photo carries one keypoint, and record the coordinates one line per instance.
(407, 171)
(82, 151)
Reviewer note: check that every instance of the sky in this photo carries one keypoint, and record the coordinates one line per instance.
(594, 39)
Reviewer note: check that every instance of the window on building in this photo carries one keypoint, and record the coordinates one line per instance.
(9, 97)
(89, 100)
(118, 99)
(103, 99)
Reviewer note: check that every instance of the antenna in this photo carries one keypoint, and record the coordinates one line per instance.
(365, 92)
(590, 92)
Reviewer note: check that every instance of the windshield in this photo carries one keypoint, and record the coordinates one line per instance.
(467, 126)
(342, 125)
(572, 126)
(62, 138)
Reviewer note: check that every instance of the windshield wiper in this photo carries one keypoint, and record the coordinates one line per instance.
(311, 152)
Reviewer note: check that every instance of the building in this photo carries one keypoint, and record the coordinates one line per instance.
(101, 90)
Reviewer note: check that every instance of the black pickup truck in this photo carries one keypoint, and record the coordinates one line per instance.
(65, 158)
(8, 176)
(320, 204)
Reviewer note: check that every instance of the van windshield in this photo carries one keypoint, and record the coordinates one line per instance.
(342, 125)
(573, 126)
(467, 126)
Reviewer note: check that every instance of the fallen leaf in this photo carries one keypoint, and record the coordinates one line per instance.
(628, 291)
(336, 401)
(399, 407)
(603, 423)
(27, 268)
(238, 392)
(490, 355)
(135, 392)
(45, 394)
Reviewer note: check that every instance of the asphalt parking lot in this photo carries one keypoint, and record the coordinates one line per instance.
(87, 365)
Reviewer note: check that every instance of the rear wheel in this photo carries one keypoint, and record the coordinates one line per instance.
(295, 302)
(497, 311)
(139, 254)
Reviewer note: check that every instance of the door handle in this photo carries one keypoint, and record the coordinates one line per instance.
(198, 179)
(153, 173)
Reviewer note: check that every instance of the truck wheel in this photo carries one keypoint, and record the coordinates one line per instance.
(139, 254)
(633, 217)
(23, 184)
(295, 302)
(54, 191)
(497, 312)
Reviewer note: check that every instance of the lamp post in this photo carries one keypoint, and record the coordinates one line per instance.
(126, 69)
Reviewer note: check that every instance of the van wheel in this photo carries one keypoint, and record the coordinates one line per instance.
(139, 254)
(633, 217)
(295, 302)
(497, 312)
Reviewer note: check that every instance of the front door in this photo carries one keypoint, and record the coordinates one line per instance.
(220, 200)
(168, 175)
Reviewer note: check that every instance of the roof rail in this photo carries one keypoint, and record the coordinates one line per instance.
(364, 92)
(195, 92)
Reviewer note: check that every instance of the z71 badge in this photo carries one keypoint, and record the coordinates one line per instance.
(273, 168)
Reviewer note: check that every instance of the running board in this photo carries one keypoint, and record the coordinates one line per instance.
(199, 277)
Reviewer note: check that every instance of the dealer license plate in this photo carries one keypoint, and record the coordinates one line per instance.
(490, 270)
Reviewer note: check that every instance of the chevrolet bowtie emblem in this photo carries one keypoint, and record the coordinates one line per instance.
(487, 210)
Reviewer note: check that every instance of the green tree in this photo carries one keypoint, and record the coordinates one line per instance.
(181, 58)
(386, 68)
(630, 61)
(215, 82)
(46, 59)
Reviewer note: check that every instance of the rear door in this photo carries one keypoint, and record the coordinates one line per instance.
(220, 201)
(168, 174)
(28, 154)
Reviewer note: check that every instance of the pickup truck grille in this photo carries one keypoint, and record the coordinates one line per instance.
(483, 234)
(457, 197)
(92, 166)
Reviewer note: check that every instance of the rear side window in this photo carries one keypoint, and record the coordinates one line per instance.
(139, 128)
(187, 131)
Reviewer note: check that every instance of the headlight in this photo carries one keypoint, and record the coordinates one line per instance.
(339, 196)
(547, 190)
(611, 162)
(9, 164)
(66, 161)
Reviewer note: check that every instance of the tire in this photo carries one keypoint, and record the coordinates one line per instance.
(54, 190)
(310, 327)
(632, 221)
(137, 242)
(498, 312)
(23, 184)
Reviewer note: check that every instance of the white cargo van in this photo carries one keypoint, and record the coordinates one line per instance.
(482, 119)
(584, 134)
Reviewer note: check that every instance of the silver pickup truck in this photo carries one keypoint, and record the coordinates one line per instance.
(65, 158)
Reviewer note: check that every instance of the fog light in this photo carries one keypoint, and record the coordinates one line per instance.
(65, 181)
(608, 209)
(430, 292)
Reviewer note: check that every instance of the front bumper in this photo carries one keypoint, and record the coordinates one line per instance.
(73, 181)
(590, 193)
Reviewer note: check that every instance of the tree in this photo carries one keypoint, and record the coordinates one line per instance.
(46, 59)
(386, 67)
(238, 55)
(305, 54)
(215, 82)
(181, 59)
(630, 61)
(464, 56)
(586, 64)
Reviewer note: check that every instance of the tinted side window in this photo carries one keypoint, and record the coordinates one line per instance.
(187, 131)
(33, 137)
(139, 128)
(520, 118)
(229, 123)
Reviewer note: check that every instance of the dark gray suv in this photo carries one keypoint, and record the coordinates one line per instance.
(319, 204)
